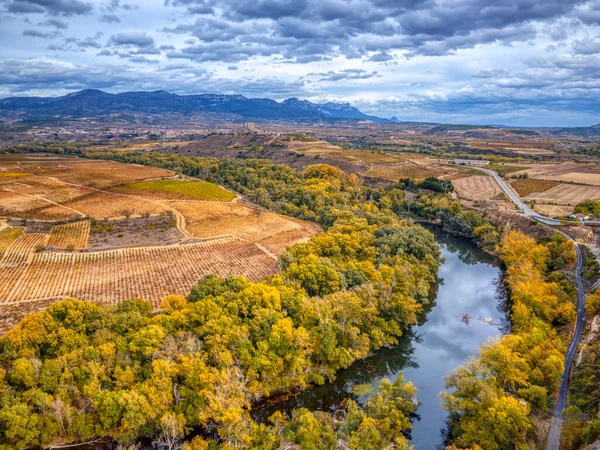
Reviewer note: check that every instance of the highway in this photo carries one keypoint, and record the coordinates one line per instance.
(553, 441)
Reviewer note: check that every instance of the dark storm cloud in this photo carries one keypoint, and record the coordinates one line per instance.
(357, 28)
(52, 7)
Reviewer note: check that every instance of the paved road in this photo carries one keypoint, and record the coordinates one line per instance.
(522, 206)
(553, 442)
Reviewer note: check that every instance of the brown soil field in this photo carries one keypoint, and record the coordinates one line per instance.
(62, 188)
(272, 231)
(99, 174)
(405, 170)
(588, 173)
(111, 276)
(477, 187)
(527, 186)
(324, 148)
(103, 205)
(567, 194)
(592, 178)
(554, 210)
(75, 234)
(135, 232)
(13, 204)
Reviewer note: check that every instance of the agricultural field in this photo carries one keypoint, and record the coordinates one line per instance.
(333, 151)
(89, 173)
(73, 236)
(106, 231)
(572, 172)
(408, 169)
(567, 194)
(114, 275)
(63, 188)
(271, 231)
(554, 210)
(477, 187)
(177, 190)
(106, 205)
(505, 169)
(528, 186)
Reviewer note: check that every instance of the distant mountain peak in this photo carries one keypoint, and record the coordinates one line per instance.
(94, 102)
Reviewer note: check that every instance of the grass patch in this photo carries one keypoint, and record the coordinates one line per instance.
(528, 186)
(179, 190)
(503, 169)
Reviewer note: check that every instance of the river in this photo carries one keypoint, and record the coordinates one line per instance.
(442, 341)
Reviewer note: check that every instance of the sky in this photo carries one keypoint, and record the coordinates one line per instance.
(512, 62)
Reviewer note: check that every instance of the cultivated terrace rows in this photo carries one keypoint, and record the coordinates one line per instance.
(111, 276)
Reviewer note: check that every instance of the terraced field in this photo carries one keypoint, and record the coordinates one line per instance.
(111, 276)
(71, 235)
(47, 259)
(272, 231)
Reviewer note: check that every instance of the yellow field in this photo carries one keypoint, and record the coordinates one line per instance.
(477, 187)
(270, 230)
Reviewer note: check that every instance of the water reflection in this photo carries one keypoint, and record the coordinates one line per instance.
(470, 283)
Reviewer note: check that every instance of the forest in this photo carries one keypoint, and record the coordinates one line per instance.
(78, 371)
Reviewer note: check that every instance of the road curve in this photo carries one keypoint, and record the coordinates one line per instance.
(553, 441)
(523, 207)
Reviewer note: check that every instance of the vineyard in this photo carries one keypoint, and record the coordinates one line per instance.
(103, 205)
(177, 190)
(66, 188)
(273, 231)
(71, 235)
(111, 276)
(527, 186)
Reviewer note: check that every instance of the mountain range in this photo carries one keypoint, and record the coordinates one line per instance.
(92, 102)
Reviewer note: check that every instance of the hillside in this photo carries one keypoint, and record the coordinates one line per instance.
(91, 102)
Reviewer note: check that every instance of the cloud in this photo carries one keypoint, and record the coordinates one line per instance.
(346, 74)
(363, 28)
(56, 23)
(135, 38)
(51, 7)
(41, 34)
(589, 13)
(586, 46)
(109, 18)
